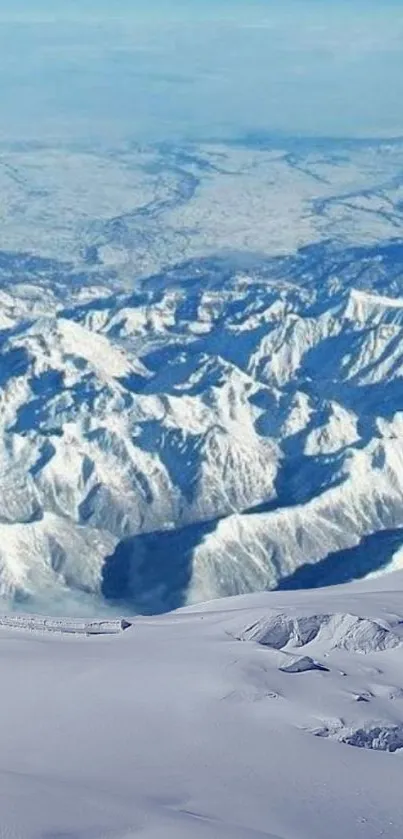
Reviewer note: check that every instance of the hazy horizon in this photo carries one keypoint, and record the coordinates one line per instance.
(200, 70)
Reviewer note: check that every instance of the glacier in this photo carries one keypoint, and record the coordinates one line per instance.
(275, 715)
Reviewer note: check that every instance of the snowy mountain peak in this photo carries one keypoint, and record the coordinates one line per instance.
(204, 416)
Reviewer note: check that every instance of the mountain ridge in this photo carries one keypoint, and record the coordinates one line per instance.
(232, 411)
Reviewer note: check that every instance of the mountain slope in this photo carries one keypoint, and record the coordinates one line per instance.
(184, 413)
(280, 417)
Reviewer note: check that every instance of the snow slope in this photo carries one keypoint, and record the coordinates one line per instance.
(275, 715)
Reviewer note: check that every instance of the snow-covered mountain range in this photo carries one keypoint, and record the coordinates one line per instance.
(201, 370)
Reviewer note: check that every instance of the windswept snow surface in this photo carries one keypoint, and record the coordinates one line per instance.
(276, 715)
(201, 370)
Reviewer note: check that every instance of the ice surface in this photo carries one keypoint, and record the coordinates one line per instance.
(379, 737)
(174, 728)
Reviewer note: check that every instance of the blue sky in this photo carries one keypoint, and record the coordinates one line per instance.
(171, 69)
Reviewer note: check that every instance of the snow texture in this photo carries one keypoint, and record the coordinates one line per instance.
(176, 728)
